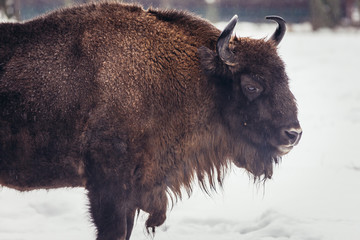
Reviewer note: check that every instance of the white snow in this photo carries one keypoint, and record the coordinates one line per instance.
(315, 191)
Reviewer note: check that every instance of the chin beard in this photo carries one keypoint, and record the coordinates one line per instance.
(257, 160)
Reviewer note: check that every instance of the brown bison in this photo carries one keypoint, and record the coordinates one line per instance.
(135, 104)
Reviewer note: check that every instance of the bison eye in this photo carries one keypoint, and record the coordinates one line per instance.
(251, 87)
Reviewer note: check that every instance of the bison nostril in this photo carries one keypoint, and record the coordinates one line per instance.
(293, 135)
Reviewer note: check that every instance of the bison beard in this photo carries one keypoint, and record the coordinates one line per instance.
(135, 104)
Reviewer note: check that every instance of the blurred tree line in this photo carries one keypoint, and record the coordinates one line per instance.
(10, 8)
(321, 13)
(331, 13)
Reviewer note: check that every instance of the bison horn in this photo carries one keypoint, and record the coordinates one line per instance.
(280, 30)
(222, 45)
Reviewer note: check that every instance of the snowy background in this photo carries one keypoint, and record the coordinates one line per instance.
(314, 193)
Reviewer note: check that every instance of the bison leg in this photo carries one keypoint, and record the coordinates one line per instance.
(109, 183)
(109, 214)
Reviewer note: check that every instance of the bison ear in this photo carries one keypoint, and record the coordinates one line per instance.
(207, 60)
(280, 30)
(222, 45)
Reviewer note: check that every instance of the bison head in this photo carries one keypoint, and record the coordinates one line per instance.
(255, 105)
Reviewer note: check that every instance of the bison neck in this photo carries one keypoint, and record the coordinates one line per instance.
(201, 151)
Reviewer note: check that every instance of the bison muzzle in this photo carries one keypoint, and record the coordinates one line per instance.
(135, 104)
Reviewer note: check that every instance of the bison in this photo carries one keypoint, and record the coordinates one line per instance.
(135, 104)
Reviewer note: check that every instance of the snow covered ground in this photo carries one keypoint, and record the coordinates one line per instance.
(315, 191)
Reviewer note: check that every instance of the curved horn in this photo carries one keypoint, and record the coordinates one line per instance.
(280, 30)
(222, 45)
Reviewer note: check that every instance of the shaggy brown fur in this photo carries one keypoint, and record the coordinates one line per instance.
(134, 105)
